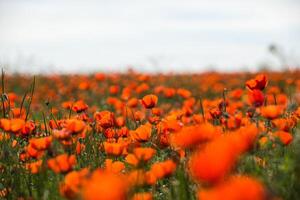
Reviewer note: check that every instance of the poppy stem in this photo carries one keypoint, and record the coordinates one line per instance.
(202, 109)
(70, 111)
(224, 99)
(22, 102)
(126, 116)
(275, 100)
(45, 124)
(31, 97)
(133, 117)
(52, 116)
(3, 91)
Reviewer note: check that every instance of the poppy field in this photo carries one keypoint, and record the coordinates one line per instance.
(137, 136)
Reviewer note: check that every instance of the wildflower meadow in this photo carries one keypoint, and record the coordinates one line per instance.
(139, 136)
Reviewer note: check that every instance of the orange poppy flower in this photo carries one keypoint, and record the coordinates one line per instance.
(111, 100)
(131, 159)
(136, 177)
(18, 113)
(28, 128)
(142, 196)
(41, 143)
(262, 141)
(114, 148)
(236, 94)
(133, 102)
(189, 136)
(84, 85)
(142, 88)
(126, 93)
(142, 133)
(110, 133)
(156, 111)
(62, 163)
(99, 187)
(67, 104)
(143, 77)
(215, 113)
(285, 137)
(72, 183)
(235, 188)
(61, 134)
(217, 158)
(105, 119)
(16, 124)
(213, 162)
(138, 116)
(256, 98)
(14, 143)
(120, 121)
(79, 106)
(114, 167)
(149, 101)
(233, 122)
(99, 76)
(160, 170)
(32, 152)
(171, 125)
(114, 89)
(12, 97)
(144, 153)
(34, 167)
(282, 99)
(169, 92)
(284, 124)
(5, 124)
(258, 83)
(244, 138)
(79, 147)
(271, 111)
(123, 132)
(75, 125)
(184, 93)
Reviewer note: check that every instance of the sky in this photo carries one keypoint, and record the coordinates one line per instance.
(152, 36)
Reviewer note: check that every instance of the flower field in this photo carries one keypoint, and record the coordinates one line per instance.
(133, 136)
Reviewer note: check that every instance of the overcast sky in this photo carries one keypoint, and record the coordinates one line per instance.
(151, 35)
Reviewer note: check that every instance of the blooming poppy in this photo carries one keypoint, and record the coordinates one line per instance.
(62, 163)
(114, 148)
(149, 101)
(142, 133)
(271, 111)
(131, 159)
(106, 119)
(99, 186)
(258, 83)
(189, 136)
(184, 93)
(114, 166)
(256, 98)
(34, 167)
(218, 157)
(235, 188)
(142, 196)
(285, 137)
(160, 170)
(73, 183)
(144, 153)
(79, 106)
